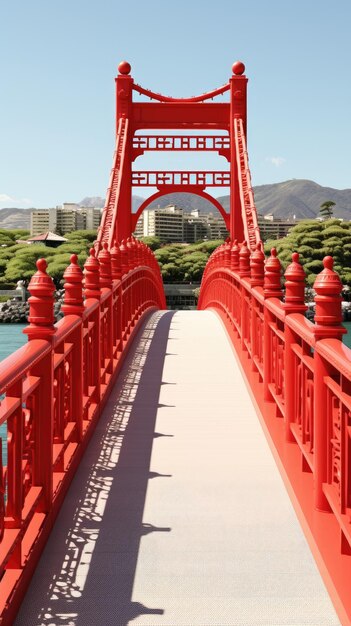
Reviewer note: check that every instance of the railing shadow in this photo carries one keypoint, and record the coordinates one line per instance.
(90, 560)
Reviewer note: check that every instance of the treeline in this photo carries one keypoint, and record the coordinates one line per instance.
(179, 262)
(17, 260)
(313, 240)
(182, 263)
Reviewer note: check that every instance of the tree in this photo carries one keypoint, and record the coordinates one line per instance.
(314, 240)
(326, 209)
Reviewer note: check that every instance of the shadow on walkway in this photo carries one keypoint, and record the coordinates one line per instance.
(86, 574)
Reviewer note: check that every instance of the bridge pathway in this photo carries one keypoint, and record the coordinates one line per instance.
(177, 515)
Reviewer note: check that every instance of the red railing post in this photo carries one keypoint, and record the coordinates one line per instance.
(328, 318)
(294, 303)
(92, 290)
(41, 326)
(256, 281)
(73, 305)
(106, 327)
(271, 289)
(234, 256)
(117, 275)
(244, 273)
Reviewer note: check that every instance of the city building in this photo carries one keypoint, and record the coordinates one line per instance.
(171, 224)
(64, 219)
(274, 227)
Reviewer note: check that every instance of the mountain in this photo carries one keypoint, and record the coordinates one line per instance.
(96, 202)
(301, 198)
(298, 197)
(15, 218)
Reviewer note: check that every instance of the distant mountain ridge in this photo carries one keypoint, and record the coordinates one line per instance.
(298, 197)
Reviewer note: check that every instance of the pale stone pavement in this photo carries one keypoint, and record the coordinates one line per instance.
(177, 515)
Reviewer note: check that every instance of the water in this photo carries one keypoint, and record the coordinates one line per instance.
(11, 338)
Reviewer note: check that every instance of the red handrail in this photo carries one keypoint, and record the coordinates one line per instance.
(300, 376)
(53, 391)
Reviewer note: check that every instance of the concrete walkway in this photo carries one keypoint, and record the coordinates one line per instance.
(177, 515)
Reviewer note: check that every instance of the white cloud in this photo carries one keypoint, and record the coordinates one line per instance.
(6, 200)
(277, 161)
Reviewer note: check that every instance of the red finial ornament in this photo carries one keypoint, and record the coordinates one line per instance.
(73, 298)
(238, 68)
(272, 277)
(105, 267)
(92, 276)
(115, 261)
(328, 315)
(124, 68)
(41, 304)
(295, 286)
(234, 256)
(257, 267)
(244, 260)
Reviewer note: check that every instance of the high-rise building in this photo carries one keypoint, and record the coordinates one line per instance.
(171, 224)
(166, 224)
(64, 219)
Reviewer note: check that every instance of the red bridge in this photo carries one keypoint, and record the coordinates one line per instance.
(139, 484)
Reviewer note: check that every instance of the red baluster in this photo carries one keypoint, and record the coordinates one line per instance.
(227, 254)
(295, 286)
(105, 267)
(327, 319)
(41, 304)
(92, 276)
(116, 262)
(234, 256)
(124, 258)
(73, 298)
(257, 267)
(272, 277)
(244, 260)
(328, 316)
(73, 305)
(294, 303)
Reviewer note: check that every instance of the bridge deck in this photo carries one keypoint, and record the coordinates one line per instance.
(177, 514)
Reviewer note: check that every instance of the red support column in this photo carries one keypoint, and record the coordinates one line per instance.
(328, 317)
(294, 303)
(92, 290)
(73, 305)
(257, 267)
(244, 273)
(238, 106)
(117, 275)
(272, 289)
(234, 257)
(124, 109)
(41, 326)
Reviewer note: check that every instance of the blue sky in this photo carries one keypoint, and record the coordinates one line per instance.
(58, 61)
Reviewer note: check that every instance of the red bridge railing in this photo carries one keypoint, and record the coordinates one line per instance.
(54, 389)
(299, 373)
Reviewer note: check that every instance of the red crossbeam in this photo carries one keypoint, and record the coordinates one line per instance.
(199, 179)
(174, 142)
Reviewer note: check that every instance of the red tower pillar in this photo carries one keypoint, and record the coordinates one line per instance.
(238, 109)
(124, 107)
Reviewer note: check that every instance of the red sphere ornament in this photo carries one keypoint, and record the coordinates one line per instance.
(238, 68)
(124, 67)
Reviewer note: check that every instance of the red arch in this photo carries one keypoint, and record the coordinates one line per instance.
(197, 192)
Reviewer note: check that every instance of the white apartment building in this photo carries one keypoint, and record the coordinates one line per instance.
(171, 224)
(64, 219)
